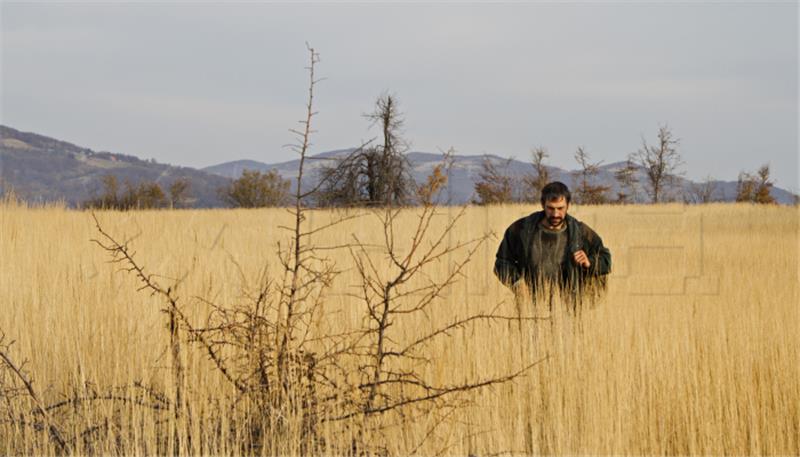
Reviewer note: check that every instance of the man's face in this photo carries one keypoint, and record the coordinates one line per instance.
(555, 211)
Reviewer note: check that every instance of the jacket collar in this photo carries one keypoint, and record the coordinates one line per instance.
(574, 235)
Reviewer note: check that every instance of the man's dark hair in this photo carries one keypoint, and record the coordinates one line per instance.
(554, 191)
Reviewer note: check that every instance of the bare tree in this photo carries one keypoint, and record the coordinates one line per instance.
(392, 377)
(755, 188)
(627, 180)
(144, 195)
(702, 192)
(745, 187)
(764, 186)
(179, 192)
(661, 164)
(586, 192)
(436, 180)
(110, 195)
(288, 382)
(536, 181)
(495, 184)
(387, 182)
(372, 175)
(259, 346)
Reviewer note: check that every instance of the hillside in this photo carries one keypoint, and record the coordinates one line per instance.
(42, 169)
(466, 169)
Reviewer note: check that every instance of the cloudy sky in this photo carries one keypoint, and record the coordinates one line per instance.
(200, 83)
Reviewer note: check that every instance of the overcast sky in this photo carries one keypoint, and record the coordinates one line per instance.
(198, 83)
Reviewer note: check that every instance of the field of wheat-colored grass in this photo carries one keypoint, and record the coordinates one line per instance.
(693, 350)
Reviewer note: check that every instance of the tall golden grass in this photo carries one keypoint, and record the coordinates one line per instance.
(693, 349)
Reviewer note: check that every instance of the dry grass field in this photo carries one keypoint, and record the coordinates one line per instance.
(693, 350)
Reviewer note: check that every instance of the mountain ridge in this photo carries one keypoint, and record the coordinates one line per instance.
(41, 169)
(466, 168)
(44, 169)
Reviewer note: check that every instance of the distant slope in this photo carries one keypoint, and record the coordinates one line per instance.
(43, 169)
(466, 169)
(288, 169)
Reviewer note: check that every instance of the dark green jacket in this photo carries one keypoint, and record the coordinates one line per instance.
(513, 263)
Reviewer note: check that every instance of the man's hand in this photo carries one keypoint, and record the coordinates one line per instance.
(581, 259)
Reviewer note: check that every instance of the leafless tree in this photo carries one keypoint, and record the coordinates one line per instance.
(145, 195)
(756, 187)
(586, 192)
(495, 185)
(536, 181)
(702, 192)
(661, 164)
(283, 378)
(436, 181)
(745, 187)
(110, 195)
(764, 186)
(372, 175)
(179, 192)
(392, 376)
(628, 182)
(259, 346)
(142, 195)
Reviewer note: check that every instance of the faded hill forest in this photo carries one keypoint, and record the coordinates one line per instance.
(43, 170)
(380, 329)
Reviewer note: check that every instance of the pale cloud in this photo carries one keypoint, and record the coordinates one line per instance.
(622, 90)
(205, 112)
(198, 83)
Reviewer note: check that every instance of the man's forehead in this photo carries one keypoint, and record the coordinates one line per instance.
(560, 201)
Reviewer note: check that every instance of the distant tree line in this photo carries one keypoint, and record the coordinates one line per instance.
(142, 195)
(653, 171)
(755, 187)
(660, 163)
(378, 174)
(255, 189)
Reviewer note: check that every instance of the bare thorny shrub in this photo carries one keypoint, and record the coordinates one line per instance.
(292, 388)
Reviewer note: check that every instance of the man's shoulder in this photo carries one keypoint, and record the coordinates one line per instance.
(587, 231)
(523, 222)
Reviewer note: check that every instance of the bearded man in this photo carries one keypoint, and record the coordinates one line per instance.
(552, 247)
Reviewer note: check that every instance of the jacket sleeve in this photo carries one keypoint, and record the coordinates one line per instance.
(508, 266)
(599, 255)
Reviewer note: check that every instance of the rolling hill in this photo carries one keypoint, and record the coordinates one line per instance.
(466, 169)
(41, 169)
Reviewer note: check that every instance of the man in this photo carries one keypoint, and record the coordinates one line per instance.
(550, 246)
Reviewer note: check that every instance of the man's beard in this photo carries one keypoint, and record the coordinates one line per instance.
(555, 221)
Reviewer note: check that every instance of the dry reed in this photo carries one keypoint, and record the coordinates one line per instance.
(693, 350)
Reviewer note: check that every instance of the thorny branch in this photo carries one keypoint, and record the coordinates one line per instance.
(271, 346)
(121, 254)
(55, 434)
(390, 294)
(443, 391)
